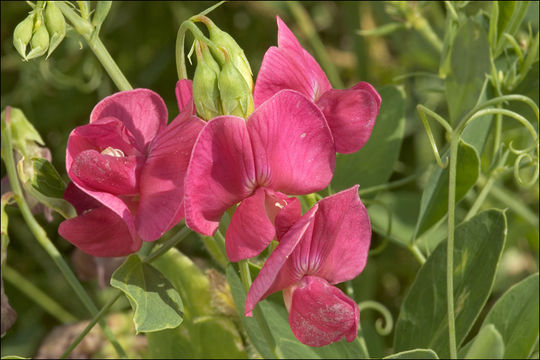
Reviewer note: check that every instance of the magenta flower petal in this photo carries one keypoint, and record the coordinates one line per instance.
(100, 232)
(184, 96)
(108, 132)
(142, 112)
(250, 230)
(289, 66)
(292, 145)
(287, 217)
(350, 115)
(274, 276)
(79, 199)
(115, 175)
(220, 173)
(341, 237)
(321, 314)
(162, 178)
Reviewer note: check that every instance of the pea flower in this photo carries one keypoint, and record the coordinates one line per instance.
(350, 113)
(127, 169)
(284, 147)
(326, 246)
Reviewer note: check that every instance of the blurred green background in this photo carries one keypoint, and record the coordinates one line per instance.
(59, 94)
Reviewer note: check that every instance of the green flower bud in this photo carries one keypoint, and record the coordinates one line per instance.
(39, 42)
(23, 134)
(236, 96)
(226, 41)
(22, 35)
(205, 83)
(56, 24)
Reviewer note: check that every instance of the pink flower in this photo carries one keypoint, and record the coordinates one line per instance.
(350, 113)
(127, 169)
(285, 147)
(326, 246)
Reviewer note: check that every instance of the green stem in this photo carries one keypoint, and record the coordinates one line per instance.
(305, 23)
(41, 235)
(86, 30)
(480, 198)
(180, 40)
(91, 325)
(450, 246)
(245, 275)
(514, 204)
(498, 132)
(417, 254)
(215, 245)
(388, 186)
(173, 241)
(38, 296)
(362, 341)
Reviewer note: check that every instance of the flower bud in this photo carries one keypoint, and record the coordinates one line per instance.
(205, 83)
(24, 136)
(39, 42)
(56, 24)
(22, 35)
(226, 41)
(236, 96)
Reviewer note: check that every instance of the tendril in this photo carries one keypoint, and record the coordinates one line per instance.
(423, 111)
(385, 329)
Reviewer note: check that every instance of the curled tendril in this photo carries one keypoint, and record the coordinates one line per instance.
(423, 111)
(522, 153)
(517, 166)
(388, 320)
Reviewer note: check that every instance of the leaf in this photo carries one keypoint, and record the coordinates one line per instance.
(46, 178)
(434, 204)
(488, 344)
(374, 163)
(511, 15)
(277, 319)
(414, 354)
(204, 333)
(469, 62)
(515, 315)
(422, 322)
(156, 304)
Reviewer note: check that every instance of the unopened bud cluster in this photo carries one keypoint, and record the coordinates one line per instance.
(222, 84)
(44, 29)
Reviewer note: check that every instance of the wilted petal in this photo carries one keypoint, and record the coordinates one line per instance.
(321, 314)
(293, 148)
(341, 237)
(289, 66)
(142, 112)
(100, 232)
(220, 173)
(350, 115)
(184, 96)
(276, 275)
(162, 178)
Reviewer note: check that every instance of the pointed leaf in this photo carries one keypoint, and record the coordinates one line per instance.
(422, 322)
(155, 302)
(434, 205)
(488, 344)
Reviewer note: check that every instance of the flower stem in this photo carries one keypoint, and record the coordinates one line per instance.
(454, 142)
(86, 30)
(245, 275)
(43, 239)
(390, 185)
(38, 296)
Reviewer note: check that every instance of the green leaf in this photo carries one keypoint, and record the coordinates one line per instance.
(422, 322)
(414, 354)
(277, 318)
(155, 302)
(511, 15)
(469, 62)
(373, 164)
(515, 315)
(204, 333)
(488, 344)
(46, 179)
(434, 204)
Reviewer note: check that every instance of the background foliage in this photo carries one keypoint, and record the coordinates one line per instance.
(402, 62)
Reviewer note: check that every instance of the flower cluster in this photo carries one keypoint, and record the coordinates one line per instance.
(134, 177)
